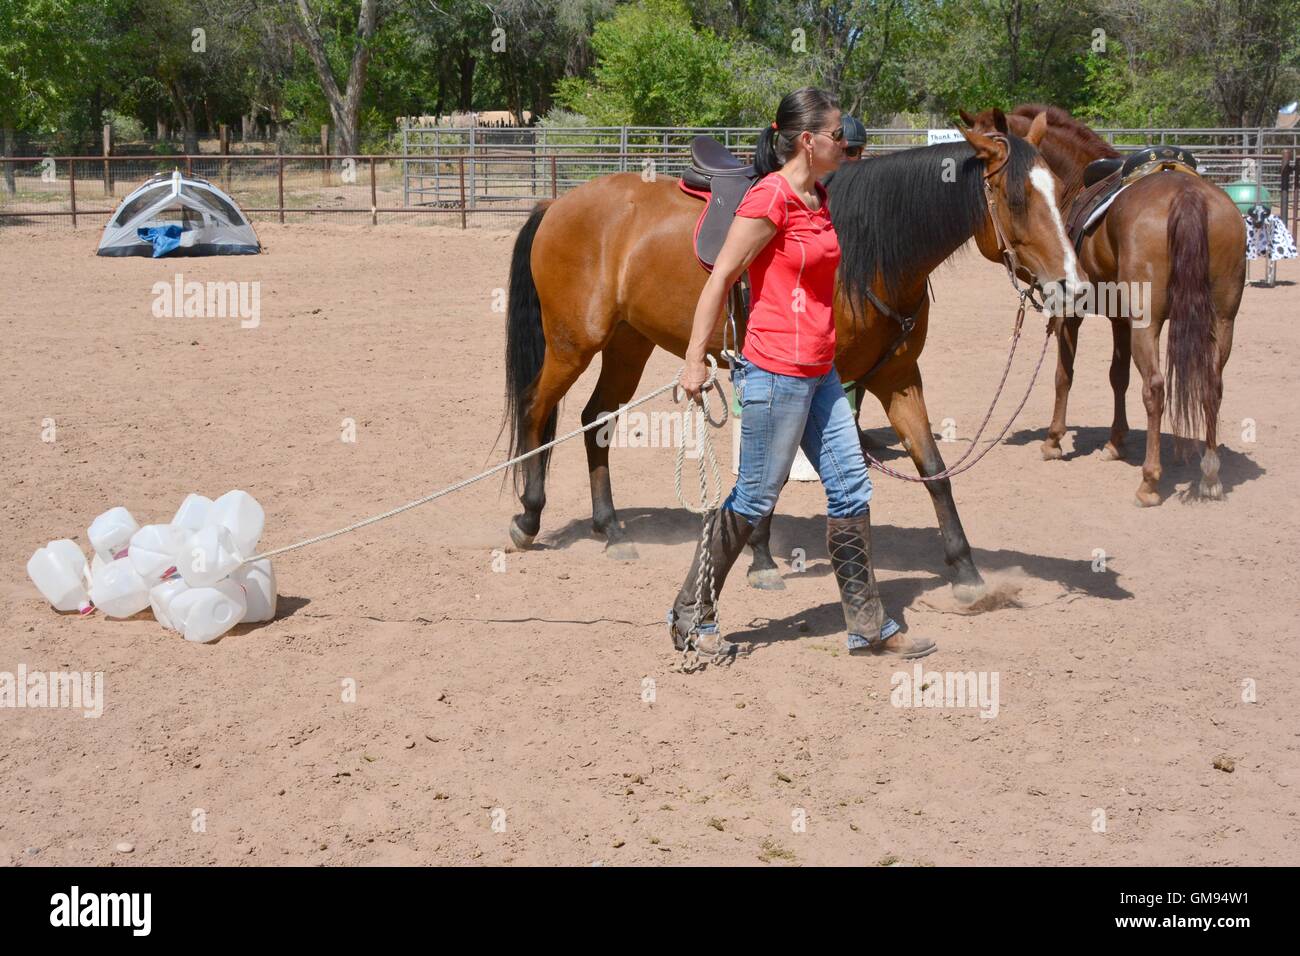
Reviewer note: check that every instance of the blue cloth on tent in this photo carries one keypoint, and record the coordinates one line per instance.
(164, 238)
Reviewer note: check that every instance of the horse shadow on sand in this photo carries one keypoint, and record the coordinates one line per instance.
(918, 552)
(1180, 459)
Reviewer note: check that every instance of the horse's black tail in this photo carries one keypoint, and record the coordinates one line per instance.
(525, 344)
(1191, 363)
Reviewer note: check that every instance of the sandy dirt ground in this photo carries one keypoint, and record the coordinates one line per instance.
(528, 708)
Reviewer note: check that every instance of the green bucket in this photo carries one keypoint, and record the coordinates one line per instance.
(1246, 193)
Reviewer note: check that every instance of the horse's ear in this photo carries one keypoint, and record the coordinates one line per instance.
(987, 148)
(1000, 122)
(1037, 129)
(966, 118)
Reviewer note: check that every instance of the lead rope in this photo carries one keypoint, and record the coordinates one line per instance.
(709, 500)
(957, 467)
(705, 441)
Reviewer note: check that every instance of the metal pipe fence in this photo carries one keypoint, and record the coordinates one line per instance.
(493, 176)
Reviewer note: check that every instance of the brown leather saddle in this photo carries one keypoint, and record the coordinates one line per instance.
(1103, 178)
(726, 180)
(716, 176)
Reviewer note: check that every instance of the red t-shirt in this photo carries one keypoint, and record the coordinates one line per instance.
(791, 317)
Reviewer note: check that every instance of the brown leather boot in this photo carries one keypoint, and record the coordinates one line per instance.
(693, 621)
(848, 540)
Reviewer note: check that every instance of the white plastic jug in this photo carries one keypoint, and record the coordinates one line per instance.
(118, 590)
(204, 614)
(242, 516)
(111, 532)
(96, 562)
(208, 556)
(155, 548)
(193, 512)
(59, 572)
(258, 580)
(161, 597)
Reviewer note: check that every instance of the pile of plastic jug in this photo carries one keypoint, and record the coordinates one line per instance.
(191, 572)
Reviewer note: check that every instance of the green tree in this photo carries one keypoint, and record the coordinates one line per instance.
(40, 60)
(653, 68)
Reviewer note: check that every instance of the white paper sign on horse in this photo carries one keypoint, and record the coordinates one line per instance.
(933, 136)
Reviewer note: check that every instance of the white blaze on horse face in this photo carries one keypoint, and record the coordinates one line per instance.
(1041, 178)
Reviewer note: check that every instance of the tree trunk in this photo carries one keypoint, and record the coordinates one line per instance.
(1013, 18)
(344, 104)
(7, 150)
(467, 63)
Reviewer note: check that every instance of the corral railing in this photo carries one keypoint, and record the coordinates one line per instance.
(549, 160)
(465, 176)
(85, 190)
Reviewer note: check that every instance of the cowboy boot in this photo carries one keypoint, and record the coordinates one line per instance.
(693, 620)
(848, 540)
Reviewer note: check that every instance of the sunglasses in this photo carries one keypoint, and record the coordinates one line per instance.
(853, 152)
(836, 136)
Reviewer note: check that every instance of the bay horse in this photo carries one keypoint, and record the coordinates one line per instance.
(1181, 234)
(610, 268)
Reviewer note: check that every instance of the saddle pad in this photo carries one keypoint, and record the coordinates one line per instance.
(695, 234)
(1101, 210)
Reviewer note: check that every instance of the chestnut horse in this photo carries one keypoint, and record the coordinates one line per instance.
(610, 268)
(1184, 238)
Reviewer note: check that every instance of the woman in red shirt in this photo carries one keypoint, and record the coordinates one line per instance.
(790, 394)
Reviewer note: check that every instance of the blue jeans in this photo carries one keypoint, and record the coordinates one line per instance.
(779, 415)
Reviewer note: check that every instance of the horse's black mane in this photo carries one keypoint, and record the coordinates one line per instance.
(896, 213)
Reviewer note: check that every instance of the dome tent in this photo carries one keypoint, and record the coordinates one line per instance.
(185, 214)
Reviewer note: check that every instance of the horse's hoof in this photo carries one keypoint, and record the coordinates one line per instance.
(1052, 452)
(1146, 499)
(521, 539)
(765, 579)
(621, 551)
(1212, 490)
(1112, 453)
(969, 593)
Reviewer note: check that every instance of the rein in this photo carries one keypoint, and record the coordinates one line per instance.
(957, 467)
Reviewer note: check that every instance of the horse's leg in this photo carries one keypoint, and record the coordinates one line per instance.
(763, 572)
(1146, 355)
(622, 362)
(1067, 344)
(559, 371)
(904, 403)
(1211, 487)
(1121, 358)
(859, 393)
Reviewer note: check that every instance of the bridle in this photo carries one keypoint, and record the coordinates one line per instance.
(1005, 250)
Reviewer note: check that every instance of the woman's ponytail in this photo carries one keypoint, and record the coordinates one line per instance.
(765, 158)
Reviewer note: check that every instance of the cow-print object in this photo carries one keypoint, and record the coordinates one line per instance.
(1267, 236)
